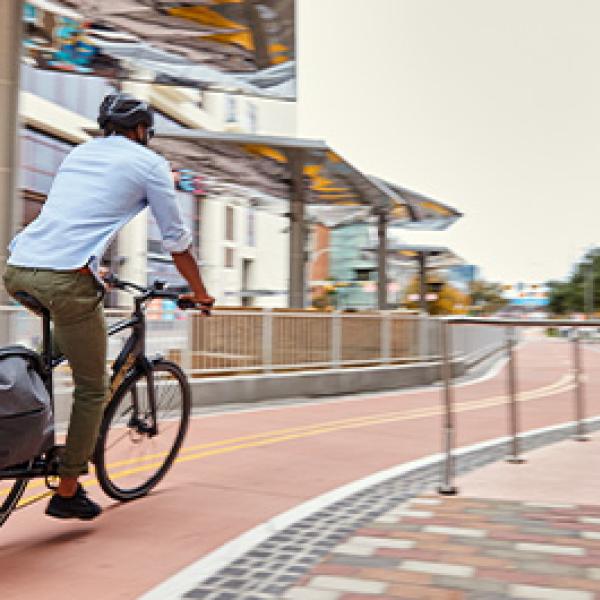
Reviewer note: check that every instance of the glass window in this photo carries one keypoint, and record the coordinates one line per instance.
(230, 109)
(78, 93)
(41, 156)
(251, 227)
(228, 258)
(165, 123)
(229, 224)
(252, 119)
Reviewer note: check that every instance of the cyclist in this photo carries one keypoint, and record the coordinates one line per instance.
(100, 186)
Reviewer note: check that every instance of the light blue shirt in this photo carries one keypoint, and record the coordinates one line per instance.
(100, 186)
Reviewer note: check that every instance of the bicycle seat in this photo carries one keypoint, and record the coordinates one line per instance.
(33, 304)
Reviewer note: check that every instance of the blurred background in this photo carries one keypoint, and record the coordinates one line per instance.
(280, 220)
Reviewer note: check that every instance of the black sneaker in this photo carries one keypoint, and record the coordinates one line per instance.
(78, 506)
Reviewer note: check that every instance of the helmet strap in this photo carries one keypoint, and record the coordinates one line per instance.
(143, 139)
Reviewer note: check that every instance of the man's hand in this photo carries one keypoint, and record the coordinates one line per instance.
(203, 299)
(103, 273)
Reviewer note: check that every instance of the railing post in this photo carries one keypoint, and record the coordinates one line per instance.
(580, 434)
(385, 336)
(423, 349)
(186, 351)
(513, 412)
(447, 488)
(336, 338)
(267, 340)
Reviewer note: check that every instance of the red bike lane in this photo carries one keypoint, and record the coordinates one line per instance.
(239, 469)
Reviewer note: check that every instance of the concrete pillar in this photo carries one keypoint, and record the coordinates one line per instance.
(297, 230)
(132, 247)
(382, 260)
(11, 26)
(133, 238)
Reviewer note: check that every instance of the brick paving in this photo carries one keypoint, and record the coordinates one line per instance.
(395, 532)
(456, 548)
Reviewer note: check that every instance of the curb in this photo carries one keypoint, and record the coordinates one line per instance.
(221, 558)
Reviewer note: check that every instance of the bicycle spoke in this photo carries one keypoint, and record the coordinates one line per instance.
(136, 449)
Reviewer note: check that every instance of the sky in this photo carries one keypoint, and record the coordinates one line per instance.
(491, 106)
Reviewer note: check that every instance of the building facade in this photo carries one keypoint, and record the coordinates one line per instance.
(243, 251)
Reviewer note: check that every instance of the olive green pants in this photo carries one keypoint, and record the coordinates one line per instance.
(74, 300)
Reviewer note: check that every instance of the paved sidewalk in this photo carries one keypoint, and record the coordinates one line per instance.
(515, 531)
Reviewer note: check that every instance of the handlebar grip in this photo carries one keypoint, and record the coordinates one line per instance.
(186, 304)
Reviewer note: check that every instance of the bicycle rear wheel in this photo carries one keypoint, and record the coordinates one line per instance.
(9, 498)
(133, 452)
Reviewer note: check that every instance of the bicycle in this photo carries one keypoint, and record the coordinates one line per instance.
(149, 399)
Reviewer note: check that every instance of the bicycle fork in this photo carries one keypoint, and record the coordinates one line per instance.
(143, 418)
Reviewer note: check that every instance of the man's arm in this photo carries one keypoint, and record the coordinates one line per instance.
(160, 193)
(188, 267)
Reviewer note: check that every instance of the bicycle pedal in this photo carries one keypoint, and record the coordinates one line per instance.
(51, 462)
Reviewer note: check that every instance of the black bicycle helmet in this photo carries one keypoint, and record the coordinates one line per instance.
(123, 110)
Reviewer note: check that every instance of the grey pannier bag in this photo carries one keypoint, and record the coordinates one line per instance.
(26, 423)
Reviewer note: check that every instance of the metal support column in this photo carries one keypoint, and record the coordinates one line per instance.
(580, 434)
(382, 219)
(297, 230)
(259, 37)
(513, 418)
(447, 488)
(11, 26)
(422, 260)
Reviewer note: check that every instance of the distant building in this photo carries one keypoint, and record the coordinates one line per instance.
(461, 276)
(350, 270)
(526, 296)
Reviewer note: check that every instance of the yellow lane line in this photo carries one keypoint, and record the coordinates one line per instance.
(325, 428)
(361, 419)
(286, 434)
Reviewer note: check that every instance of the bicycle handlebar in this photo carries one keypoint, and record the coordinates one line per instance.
(156, 291)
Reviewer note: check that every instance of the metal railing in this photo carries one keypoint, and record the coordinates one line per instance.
(275, 340)
(510, 325)
(265, 341)
(271, 340)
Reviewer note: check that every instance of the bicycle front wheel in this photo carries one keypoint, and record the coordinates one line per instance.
(9, 498)
(135, 448)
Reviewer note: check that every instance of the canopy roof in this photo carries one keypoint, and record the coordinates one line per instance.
(436, 256)
(224, 44)
(336, 192)
(422, 209)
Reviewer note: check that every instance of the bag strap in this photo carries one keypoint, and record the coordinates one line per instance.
(34, 359)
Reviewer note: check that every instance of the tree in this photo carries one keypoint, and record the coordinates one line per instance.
(449, 301)
(487, 296)
(581, 291)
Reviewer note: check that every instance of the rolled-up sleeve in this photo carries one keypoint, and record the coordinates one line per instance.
(160, 193)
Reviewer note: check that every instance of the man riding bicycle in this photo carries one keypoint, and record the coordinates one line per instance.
(100, 186)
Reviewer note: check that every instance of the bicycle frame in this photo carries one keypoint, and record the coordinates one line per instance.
(132, 356)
